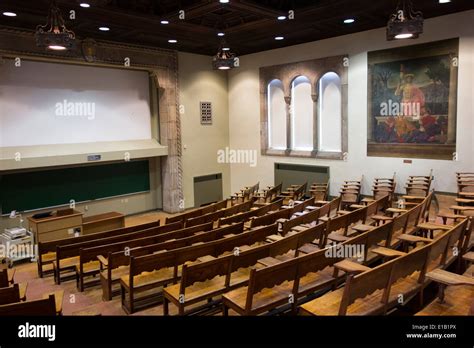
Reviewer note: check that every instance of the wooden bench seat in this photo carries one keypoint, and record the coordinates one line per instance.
(47, 250)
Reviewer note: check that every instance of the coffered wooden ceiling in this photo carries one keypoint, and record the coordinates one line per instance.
(250, 26)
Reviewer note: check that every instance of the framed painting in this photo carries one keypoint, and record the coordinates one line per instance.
(412, 99)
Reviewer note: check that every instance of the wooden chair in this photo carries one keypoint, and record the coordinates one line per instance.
(293, 193)
(382, 187)
(10, 294)
(269, 194)
(210, 208)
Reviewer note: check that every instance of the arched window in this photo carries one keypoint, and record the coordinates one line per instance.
(330, 113)
(302, 114)
(276, 115)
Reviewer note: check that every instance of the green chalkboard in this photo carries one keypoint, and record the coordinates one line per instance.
(49, 188)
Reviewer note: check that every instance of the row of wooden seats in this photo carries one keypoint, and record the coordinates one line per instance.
(286, 282)
(115, 260)
(89, 257)
(215, 216)
(295, 237)
(245, 194)
(47, 250)
(378, 290)
(161, 268)
(210, 208)
(245, 216)
(201, 282)
(67, 256)
(285, 213)
(294, 193)
(268, 195)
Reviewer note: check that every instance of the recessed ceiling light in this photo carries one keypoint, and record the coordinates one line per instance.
(104, 28)
(403, 36)
(9, 14)
(444, 1)
(220, 34)
(226, 48)
(224, 68)
(349, 20)
(281, 18)
(165, 22)
(278, 38)
(224, 1)
(172, 41)
(56, 47)
(84, 4)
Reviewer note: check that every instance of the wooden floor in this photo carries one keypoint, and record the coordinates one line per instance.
(90, 301)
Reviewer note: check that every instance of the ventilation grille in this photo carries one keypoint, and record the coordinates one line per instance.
(206, 113)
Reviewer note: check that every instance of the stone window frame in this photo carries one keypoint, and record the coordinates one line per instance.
(314, 70)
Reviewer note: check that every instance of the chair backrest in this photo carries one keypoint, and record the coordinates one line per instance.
(9, 294)
(201, 272)
(311, 234)
(438, 250)
(338, 223)
(456, 240)
(311, 217)
(364, 284)
(46, 307)
(270, 277)
(414, 261)
(3, 278)
(413, 217)
(270, 218)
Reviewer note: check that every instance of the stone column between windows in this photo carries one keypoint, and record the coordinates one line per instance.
(288, 125)
(315, 98)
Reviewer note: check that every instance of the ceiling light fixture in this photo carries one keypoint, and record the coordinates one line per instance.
(54, 35)
(349, 20)
(173, 41)
(84, 4)
(9, 14)
(104, 28)
(279, 38)
(224, 59)
(224, 1)
(405, 23)
(281, 18)
(221, 34)
(164, 21)
(444, 1)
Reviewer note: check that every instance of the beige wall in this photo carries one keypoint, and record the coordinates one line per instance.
(199, 82)
(244, 110)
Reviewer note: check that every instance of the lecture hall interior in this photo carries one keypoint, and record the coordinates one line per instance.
(237, 158)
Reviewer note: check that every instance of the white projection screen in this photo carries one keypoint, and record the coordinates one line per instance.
(48, 103)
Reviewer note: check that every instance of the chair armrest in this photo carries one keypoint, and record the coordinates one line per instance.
(449, 278)
(386, 252)
(104, 261)
(351, 267)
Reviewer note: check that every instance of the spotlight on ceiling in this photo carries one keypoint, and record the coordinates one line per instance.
(84, 4)
(220, 34)
(224, 1)
(279, 38)
(104, 28)
(349, 20)
(54, 35)
(164, 21)
(9, 14)
(173, 41)
(405, 23)
(281, 18)
(224, 59)
(444, 1)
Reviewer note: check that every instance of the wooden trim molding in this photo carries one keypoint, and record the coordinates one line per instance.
(162, 66)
